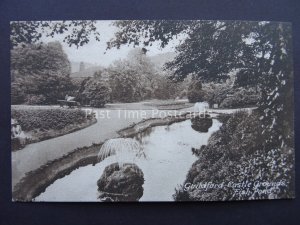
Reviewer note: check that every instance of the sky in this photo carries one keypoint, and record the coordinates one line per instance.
(93, 52)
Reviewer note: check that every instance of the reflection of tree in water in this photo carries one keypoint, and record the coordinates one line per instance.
(140, 137)
(201, 124)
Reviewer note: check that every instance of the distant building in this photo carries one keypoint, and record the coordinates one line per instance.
(81, 67)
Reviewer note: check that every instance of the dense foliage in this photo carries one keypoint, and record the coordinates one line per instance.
(248, 147)
(241, 98)
(195, 92)
(39, 73)
(96, 93)
(136, 78)
(237, 153)
(46, 119)
(226, 96)
(30, 32)
(260, 52)
(132, 79)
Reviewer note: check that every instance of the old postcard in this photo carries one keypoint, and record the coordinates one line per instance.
(151, 110)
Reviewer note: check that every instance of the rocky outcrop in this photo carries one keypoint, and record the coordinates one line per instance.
(121, 183)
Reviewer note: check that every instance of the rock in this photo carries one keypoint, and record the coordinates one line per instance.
(121, 183)
(201, 124)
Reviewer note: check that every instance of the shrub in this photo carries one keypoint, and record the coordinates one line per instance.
(230, 97)
(96, 93)
(46, 119)
(41, 71)
(239, 152)
(216, 93)
(241, 98)
(201, 124)
(195, 92)
(17, 94)
(35, 99)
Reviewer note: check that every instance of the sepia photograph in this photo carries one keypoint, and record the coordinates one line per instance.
(151, 110)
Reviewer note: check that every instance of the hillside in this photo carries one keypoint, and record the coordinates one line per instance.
(160, 59)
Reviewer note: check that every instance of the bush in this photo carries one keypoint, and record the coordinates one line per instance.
(216, 93)
(195, 92)
(241, 98)
(35, 99)
(229, 97)
(46, 119)
(17, 94)
(40, 73)
(96, 93)
(237, 153)
(201, 124)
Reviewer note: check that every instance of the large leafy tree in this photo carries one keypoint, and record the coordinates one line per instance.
(123, 82)
(204, 53)
(79, 32)
(96, 92)
(134, 78)
(41, 72)
(259, 52)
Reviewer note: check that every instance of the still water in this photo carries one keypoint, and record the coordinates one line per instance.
(168, 157)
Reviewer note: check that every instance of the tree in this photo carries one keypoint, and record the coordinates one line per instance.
(41, 71)
(123, 82)
(134, 78)
(96, 92)
(260, 51)
(30, 32)
(195, 92)
(204, 52)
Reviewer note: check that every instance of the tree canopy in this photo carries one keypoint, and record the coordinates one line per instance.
(30, 32)
(40, 73)
(259, 52)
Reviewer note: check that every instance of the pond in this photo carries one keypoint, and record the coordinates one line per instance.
(168, 157)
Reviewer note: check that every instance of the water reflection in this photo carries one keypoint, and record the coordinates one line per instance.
(168, 159)
(141, 137)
